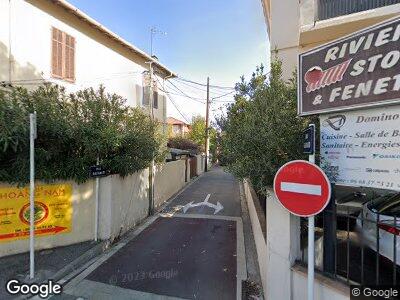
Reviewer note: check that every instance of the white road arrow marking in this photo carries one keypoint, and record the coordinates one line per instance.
(302, 188)
(218, 207)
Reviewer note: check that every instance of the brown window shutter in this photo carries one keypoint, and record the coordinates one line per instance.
(56, 53)
(69, 58)
(62, 55)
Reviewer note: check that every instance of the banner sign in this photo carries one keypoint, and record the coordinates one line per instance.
(53, 211)
(362, 69)
(362, 148)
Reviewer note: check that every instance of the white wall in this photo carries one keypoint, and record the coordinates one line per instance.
(123, 203)
(283, 248)
(261, 245)
(323, 289)
(169, 178)
(28, 31)
(200, 164)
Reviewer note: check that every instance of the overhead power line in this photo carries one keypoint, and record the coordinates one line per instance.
(199, 88)
(200, 100)
(177, 108)
(186, 95)
(202, 84)
(224, 95)
(173, 103)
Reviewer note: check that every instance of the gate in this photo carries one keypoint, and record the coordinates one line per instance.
(193, 167)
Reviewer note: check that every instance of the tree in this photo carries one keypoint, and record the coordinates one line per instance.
(261, 130)
(73, 131)
(197, 131)
(197, 134)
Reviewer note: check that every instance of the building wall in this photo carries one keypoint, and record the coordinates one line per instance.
(25, 46)
(295, 28)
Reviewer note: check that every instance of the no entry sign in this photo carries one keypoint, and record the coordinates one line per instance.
(302, 188)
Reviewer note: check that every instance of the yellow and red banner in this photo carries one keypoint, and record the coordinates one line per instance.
(53, 211)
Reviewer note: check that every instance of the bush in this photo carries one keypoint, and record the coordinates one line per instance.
(183, 144)
(261, 130)
(73, 130)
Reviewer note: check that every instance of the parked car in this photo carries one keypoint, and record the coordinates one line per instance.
(388, 208)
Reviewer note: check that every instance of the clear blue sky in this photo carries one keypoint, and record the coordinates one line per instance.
(223, 39)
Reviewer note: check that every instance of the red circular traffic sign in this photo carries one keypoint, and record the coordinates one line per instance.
(302, 188)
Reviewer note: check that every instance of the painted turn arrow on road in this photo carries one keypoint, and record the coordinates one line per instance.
(53, 230)
(218, 207)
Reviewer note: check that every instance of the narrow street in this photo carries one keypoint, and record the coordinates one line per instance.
(194, 254)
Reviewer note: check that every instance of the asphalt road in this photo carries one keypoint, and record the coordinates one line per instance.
(197, 253)
(222, 188)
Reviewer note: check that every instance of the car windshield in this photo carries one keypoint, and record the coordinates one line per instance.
(388, 205)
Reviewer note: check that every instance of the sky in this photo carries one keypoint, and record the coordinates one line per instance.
(221, 39)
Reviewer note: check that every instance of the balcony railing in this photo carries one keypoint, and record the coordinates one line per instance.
(333, 8)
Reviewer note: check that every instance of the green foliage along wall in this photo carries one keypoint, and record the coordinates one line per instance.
(73, 130)
(261, 130)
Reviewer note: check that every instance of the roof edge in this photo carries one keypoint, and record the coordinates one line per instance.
(84, 17)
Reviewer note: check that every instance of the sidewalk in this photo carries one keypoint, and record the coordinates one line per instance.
(50, 263)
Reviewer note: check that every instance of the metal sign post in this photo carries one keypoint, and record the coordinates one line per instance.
(304, 190)
(310, 138)
(96, 213)
(32, 137)
(97, 171)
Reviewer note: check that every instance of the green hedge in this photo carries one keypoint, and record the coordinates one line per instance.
(73, 130)
(261, 130)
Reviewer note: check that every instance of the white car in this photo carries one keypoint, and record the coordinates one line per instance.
(388, 207)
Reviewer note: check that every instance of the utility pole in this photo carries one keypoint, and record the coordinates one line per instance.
(151, 168)
(207, 141)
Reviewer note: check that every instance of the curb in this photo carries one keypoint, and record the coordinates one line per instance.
(73, 266)
(81, 260)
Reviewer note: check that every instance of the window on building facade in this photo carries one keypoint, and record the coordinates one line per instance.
(146, 96)
(176, 128)
(63, 55)
(155, 99)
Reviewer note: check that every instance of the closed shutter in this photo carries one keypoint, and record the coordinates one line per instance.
(57, 49)
(69, 58)
(164, 107)
(146, 96)
(155, 99)
(62, 55)
(138, 89)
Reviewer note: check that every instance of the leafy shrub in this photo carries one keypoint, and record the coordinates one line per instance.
(183, 144)
(73, 130)
(261, 130)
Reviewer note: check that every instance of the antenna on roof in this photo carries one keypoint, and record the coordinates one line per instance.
(153, 31)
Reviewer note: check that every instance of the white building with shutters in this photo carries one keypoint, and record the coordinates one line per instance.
(52, 41)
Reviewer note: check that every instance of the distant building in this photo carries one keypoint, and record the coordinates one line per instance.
(297, 26)
(52, 41)
(177, 128)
